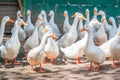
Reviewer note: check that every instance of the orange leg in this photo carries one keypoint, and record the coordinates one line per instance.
(32, 71)
(113, 64)
(41, 68)
(90, 68)
(44, 61)
(6, 61)
(15, 61)
(98, 67)
(110, 59)
(52, 61)
(78, 60)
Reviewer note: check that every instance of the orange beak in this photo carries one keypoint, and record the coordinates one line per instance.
(103, 20)
(73, 15)
(38, 18)
(64, 14)
(86, 13)
(95, 12)
(24, 24)
(83, 18)
(54, 36)
(21, 15)
(10, 20)
(83, 29)
(45, 30)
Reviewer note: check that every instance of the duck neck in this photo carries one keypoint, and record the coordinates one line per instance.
(95, 16)
(88, 19)
(90, 40)
(80, 26)
(114, 24)
(66, 19)
(52, 19)
(104, 19)
(36, 29)
(2, 28)
(45, 20)
(43, 42)
(18, 17)
(28, 19)
(74, 25)
(15, 32)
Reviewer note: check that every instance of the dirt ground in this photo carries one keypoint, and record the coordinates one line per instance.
(69, 71)
(58, 70)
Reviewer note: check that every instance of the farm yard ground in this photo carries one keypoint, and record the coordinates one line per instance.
(69, 71)
(58, 71)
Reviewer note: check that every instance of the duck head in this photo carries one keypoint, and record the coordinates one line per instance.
(48, 30)
(28, 12)
(21, 22)
(65, 13)
(87, 12)
(95, 11)
(101, 12)
(43, 13)
(7, 19)
(94, 22)
(111, 20)
(19, 14)
(39, 21)
(86, 28)
(79, 16)
(51, 13)
(39, 17)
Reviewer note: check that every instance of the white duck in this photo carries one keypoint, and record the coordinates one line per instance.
(2, 28)
(52, 23)
(115, 48)
(100, 36)
(76, 50)
(45, 21)
(33, 40)
(94, 19)
(87, 17)
(30, 27)
(51, 48)
(104, 21)
(11, 48)
(114, 29)
(21, 32)
(36, 55)
(70, 37)
(92, 52)
(66, 24)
